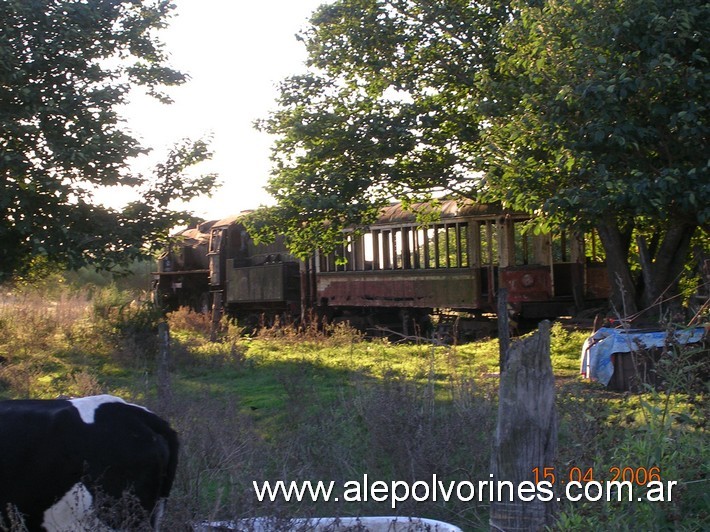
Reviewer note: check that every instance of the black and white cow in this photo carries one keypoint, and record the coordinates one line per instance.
(56, 455)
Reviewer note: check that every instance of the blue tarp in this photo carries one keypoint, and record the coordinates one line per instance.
(599, 347)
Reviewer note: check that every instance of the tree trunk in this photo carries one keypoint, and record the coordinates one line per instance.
(623, 289)
(663, 273)
(526, 436)
(661, 269)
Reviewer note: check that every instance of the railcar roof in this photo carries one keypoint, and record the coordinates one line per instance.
(202, 230)
(229, 220)
(447, 209)
(392, 214)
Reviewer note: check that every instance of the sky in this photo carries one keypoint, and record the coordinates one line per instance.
(235, 52)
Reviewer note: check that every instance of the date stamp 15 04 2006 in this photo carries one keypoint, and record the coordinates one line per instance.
(617, 483)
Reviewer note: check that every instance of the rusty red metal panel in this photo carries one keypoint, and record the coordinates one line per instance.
(451, 288)
(527, 283)
(598, 286)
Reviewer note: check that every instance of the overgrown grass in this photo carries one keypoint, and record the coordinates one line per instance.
(291, 404)
(661, 432)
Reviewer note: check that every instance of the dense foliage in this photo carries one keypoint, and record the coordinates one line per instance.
(585, 114)
(65, 68)
(388, 108)
(601, 121)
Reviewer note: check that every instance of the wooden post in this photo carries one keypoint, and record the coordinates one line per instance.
(503, 328)
(304, 275)
(163, 361)
(526, 435)
(216, 315)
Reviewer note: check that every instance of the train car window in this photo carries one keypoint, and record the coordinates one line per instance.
(339, 256)
(406, 256)
(435, 248)
(422, 236)
(215, 240)
(450, 248)
(376, 250)
(415, 248)
(351, 257)
(522, 244)
(426, 247)
(355, 256)
(593, 249)
(560, 251)
(462, 244)
(324, 262)
(442, 243)
(412, 249)
(396, 250)
(368, 251)
(489, 243)
(346, 263)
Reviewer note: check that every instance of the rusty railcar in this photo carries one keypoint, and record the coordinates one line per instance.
(401, 267)
(217, 263)
(399, 270)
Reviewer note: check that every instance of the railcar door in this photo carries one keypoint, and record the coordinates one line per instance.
(526, 266)
(485, 241)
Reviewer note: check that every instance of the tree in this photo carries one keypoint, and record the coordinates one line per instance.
(584, 114)
(386, 110)
(601, 121)
(65, 67)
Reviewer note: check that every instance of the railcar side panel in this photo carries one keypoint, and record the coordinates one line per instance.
(597, 285)
(265, 283)
(444, 288)
(527, 283)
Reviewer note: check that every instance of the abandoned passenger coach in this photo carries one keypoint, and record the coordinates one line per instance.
(399, 268)
(459, 262)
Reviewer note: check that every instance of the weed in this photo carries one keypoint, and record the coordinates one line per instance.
(186, 320)
(313, 329)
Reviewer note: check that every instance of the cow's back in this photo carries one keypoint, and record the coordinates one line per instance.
(47, 448)
(35, 465)
(129, 442)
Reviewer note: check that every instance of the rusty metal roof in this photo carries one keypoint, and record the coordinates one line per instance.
(201, 232)
(392, 214)
(447, 209)
(229, 220)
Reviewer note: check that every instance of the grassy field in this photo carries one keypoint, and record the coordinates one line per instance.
(308, 405)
